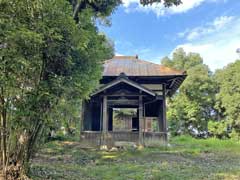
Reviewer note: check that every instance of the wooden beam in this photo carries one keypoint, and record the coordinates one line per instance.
(172, 83)
(125, 95)
(123, 102)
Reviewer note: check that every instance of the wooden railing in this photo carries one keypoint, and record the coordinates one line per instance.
(97, 138)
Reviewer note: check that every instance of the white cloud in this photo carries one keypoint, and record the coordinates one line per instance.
(118, 54)
(186, 5)
(221, 21)
(216, 43)
(214, 55)
(217, 25)
(127, 3)
(159, 9)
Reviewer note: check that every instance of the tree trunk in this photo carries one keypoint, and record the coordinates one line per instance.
(3, 132)
(32, 140)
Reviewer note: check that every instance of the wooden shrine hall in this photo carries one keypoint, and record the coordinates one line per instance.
(129, 82)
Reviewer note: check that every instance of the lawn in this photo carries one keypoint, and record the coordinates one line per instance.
(185, 158)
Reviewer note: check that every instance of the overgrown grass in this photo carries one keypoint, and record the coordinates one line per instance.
(186, 158)
(205, 145)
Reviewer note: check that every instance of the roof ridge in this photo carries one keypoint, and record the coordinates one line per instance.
(124, 57)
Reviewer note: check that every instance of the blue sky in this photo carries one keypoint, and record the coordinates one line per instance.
(209, 27)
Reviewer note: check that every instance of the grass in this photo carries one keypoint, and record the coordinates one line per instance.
(186, 158)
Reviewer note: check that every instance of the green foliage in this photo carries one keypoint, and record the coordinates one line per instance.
(66, 114)
(100, 9)
(235, 135)
(218, 129)
(167, 3)
(192, 106)
(47, 61)
(205, 102)
(182, 61)
(228, 96)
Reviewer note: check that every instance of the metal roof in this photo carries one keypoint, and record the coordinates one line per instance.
(132, 66)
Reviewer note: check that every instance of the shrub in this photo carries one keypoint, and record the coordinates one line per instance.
(218, 129)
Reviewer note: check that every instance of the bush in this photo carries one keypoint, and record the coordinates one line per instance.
(235, 135)
(218, 129)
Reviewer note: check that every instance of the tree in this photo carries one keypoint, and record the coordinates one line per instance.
(182, 61)
(167, 3)
(45, 55)
(100, 9)
(228, 96)
(66, 114)
(104, 8)
(192, 107)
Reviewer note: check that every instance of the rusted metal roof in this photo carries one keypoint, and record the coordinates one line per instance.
(132, 66)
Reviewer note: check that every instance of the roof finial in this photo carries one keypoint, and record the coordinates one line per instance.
(136, 56)
(122, 75)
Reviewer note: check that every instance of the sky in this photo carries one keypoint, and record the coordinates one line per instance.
(208, 27)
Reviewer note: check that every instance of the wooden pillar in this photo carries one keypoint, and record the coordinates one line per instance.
(162, 121)
(110, 119)
(104, 139)
(164, 111)
(160, 116)
(105, 118)
(101, 116)
(82, 117)
(140, 117)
